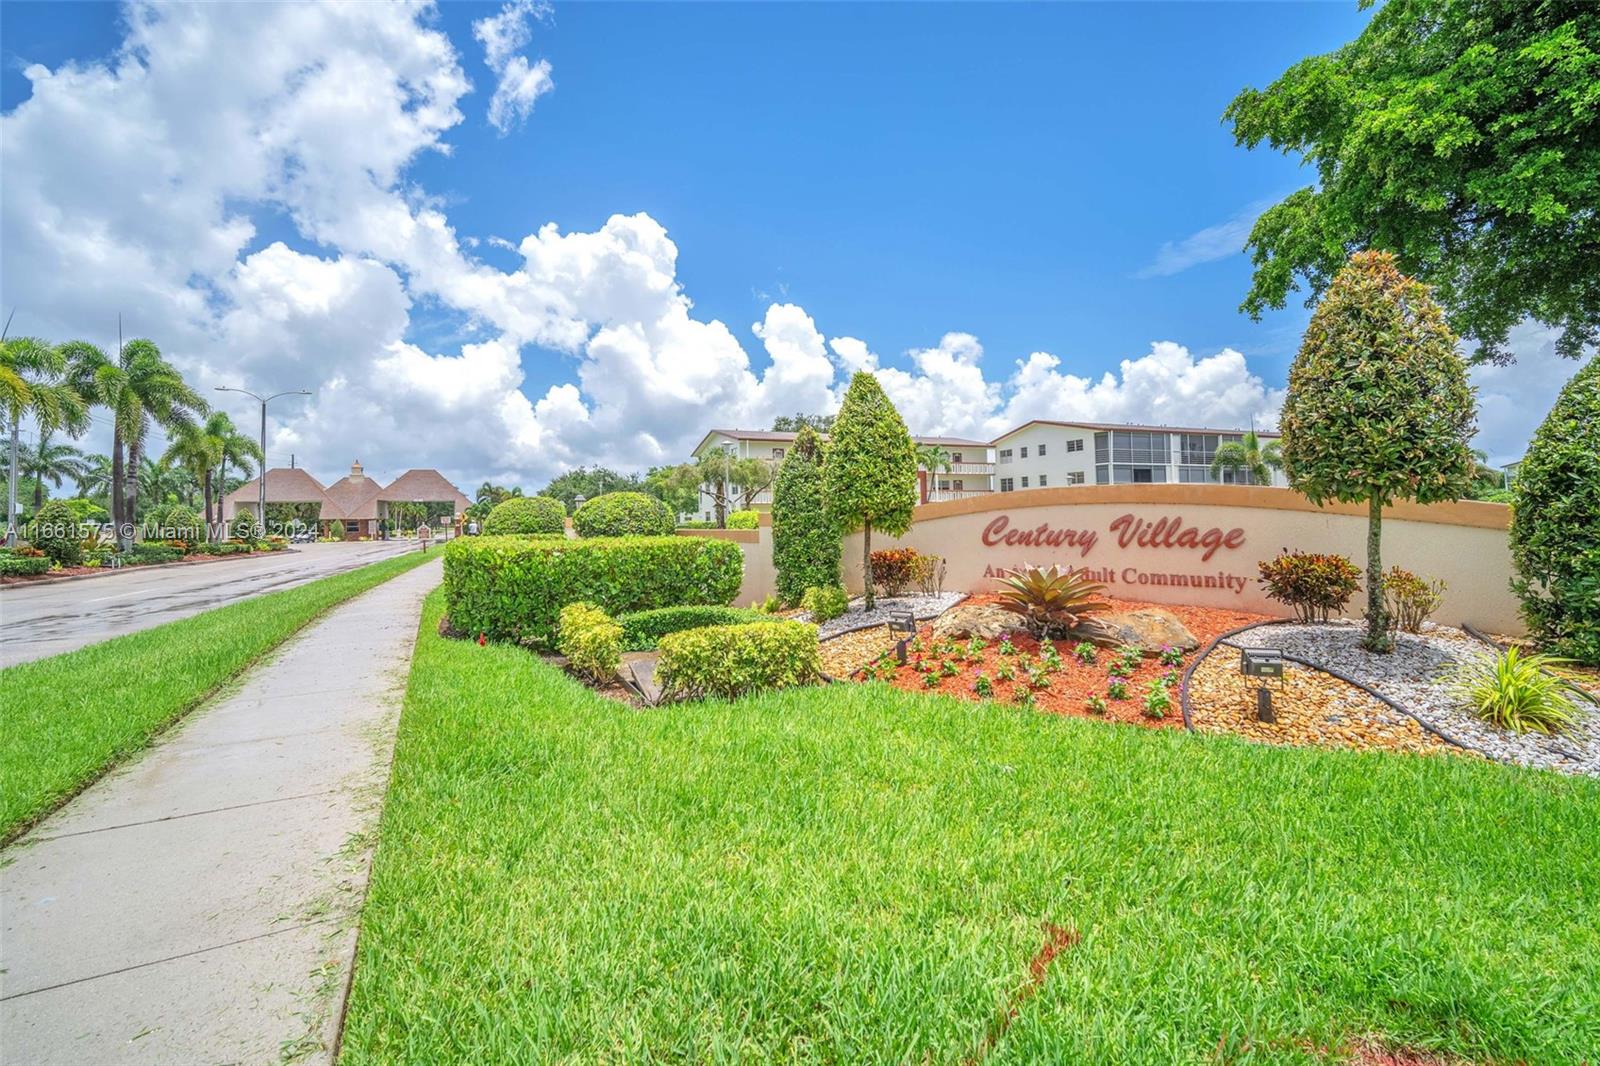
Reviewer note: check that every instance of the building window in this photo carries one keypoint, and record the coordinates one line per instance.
(955, 457)
(1024, 453)
(1041, 451)
(1075, 445)
(1005, 455)
(944, 485)
(1102, 448)
(1044, 479)
(1139, 447)
(960, 485)
(1102, 474)
(1075, 478)
(1007, 484)
(777, 453)
(1024, 480)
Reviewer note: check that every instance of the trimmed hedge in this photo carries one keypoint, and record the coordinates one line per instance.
(743, 520)
(825, 602)
(623, 514)
(732, 660)
(527, 514)
(513, 588)
(641, 630)
(14, 565)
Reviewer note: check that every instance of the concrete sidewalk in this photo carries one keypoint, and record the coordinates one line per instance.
(199, 904)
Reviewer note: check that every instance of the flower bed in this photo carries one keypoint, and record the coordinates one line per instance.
(1065, 689)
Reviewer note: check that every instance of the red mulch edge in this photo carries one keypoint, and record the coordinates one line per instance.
(1070, 688)
(102, 571)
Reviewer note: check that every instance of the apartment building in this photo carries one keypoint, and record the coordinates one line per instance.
(968, 470)
(1047, 454)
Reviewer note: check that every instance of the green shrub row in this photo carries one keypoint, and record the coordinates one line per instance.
(513, 588)
(623, 514)
(641, 630)
(730, 660)
(14, 565)
(591, 641)
(148, 554)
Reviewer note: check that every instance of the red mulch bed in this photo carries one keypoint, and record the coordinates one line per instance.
(1069, 688)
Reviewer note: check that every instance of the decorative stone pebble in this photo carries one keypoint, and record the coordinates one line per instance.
(1313, 709)
(844, 655)
(1417, 676)
(921, 607)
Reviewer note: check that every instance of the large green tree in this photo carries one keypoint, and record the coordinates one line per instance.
(1463, 135)
(589, 482)
(33, 384)
(1555, 522)
(870, 477)
(805, 543)
(141, 389)
(1379, 408)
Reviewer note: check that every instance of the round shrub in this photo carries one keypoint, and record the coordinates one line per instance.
(55, 532)
(1555, 523)
(527, 514)
(743, 520)
(1315, 584)
(642, 629)
(174, 522)
(623, 514)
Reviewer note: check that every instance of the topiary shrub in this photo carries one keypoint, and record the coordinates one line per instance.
(731, 660)
(513, 588)
(1555, 523)
(743, 520)
(805, 543)
(527, 514)
(55, 532)
(641, 630)
(870, 477)
(590, 640)
(623, 514)
(174, 521)
(1312, 583)
(825, 602)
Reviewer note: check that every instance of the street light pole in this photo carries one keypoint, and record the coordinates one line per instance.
(261, 482)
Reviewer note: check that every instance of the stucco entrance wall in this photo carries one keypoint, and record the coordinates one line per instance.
(1201, 544)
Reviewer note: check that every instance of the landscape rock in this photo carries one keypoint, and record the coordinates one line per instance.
(978, 620)
(1150, 629)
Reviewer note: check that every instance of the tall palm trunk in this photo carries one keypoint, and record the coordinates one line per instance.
(118, 473)
(130, 507)
(866, 563)
(1378, 638)
(206, 487)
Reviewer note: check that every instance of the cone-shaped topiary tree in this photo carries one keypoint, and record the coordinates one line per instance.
(1379, 408)
(805, 544)
(1555, 523)
(870, 476)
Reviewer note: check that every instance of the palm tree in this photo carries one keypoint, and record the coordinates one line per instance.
(140, 388)
(52, 463)
(1249, 455)
(157, 484)
(933, 458)
(239, 450)
(33, 383)
(94, 479)
(194, 448)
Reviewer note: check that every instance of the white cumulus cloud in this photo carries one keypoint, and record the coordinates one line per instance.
(520, 83)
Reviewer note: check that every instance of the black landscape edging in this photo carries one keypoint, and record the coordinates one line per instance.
(1211, 646)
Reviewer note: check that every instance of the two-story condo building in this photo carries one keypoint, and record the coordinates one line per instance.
(1046, 454)
(969, 471)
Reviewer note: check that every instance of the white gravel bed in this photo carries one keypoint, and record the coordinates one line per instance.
(921, 606)
(1416, 676)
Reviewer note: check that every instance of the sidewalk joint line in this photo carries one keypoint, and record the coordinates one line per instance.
(186, 814)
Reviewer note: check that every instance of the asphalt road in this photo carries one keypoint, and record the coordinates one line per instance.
(41, 620)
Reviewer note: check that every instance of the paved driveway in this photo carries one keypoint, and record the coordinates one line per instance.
(41, 620)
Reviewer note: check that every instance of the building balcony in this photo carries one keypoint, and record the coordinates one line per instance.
(984, 469)
(940, 495)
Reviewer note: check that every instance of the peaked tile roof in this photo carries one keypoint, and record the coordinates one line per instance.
(354, 496)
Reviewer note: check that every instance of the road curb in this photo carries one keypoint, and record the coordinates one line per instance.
(110, 571)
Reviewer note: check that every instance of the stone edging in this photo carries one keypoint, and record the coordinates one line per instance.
(1426, 725)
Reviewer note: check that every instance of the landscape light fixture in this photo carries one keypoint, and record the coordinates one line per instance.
(261, 482)
(1262, 663)
(902, 622)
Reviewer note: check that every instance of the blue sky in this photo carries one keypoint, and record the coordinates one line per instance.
(1046, 178)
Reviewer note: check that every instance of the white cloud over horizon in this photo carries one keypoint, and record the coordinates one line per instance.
(116, 180)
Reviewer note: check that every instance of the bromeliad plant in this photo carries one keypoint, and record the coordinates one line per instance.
(1051, 600)
(1516, 691)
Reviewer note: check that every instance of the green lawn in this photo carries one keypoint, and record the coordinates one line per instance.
(855, 874)
(67, 719)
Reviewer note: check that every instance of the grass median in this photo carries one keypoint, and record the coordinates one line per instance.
(67, 719)
(858, 874)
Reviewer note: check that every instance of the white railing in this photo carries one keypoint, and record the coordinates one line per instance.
(940, 495)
